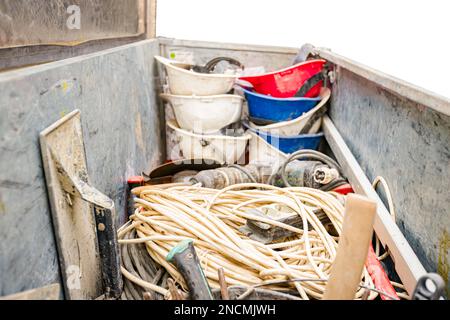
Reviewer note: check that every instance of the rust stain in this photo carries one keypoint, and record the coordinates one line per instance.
(443, 265)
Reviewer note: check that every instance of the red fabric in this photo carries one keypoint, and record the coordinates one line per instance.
(344, 189)
(379, 276)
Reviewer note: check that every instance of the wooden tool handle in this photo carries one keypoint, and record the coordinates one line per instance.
(353, 247)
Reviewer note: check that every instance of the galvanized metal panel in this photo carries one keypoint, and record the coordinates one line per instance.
(407, 264)
(121, 141)
(395, 85)
(114, 89)
(272, 58)
(17, 57)
(49, 292)
(25, 23)
(409, 145)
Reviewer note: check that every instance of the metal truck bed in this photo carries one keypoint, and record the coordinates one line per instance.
(378, 125)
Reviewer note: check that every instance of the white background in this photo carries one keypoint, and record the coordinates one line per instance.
(407, 39)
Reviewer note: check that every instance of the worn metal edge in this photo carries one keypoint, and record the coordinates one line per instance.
(49, 292)
(27, 71)
(150, 18)
(51, 198)
(395, 85)
(407, 265)
(72, 43)
(50, 184)
(226, 46)
(59, 122)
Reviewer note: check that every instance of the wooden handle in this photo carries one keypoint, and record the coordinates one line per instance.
(353, 247)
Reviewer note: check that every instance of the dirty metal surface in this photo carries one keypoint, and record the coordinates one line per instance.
(49, 292)
(83, 218)
(114, 91)
(409, 145)
(24, 22)
(74, 225)
(200, 52)
(395, 85)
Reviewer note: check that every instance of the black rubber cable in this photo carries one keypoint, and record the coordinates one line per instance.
(134, 293)
(211, 65)
(137, 261)
(333, 184)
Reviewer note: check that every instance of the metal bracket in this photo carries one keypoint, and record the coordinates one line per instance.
(104, 213)
(424, 292)
(83, 217)
(332, 76)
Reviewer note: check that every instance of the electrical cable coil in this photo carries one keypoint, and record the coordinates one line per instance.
(212, 218)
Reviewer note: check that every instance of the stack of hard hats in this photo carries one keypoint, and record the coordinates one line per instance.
(285, 106)
(203, 110)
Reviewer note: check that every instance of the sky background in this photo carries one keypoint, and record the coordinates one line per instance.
(407, 39)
